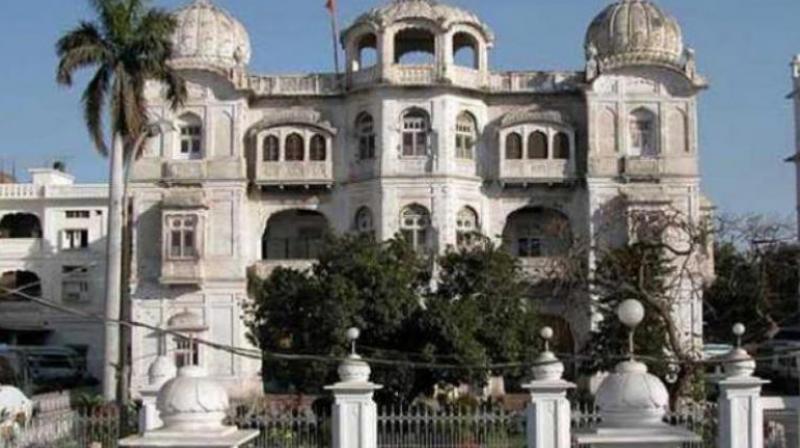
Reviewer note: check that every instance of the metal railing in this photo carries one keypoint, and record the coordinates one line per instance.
(102, 426)
(291, 248)
(423, 427)
(283, 428)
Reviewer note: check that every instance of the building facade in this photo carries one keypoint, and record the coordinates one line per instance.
(52, 246)
(418, 137)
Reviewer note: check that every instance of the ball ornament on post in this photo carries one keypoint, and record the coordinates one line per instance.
(739, 363)
(631, 314)
(547, 367)
(354, 369)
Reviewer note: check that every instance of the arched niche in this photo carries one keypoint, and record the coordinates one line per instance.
(415, 46)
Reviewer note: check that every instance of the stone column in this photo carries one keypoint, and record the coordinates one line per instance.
(548, 412)
(355, 414)
(741, 415)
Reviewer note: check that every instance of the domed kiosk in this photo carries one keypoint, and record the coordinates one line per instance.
(208, 37)
(633, 403)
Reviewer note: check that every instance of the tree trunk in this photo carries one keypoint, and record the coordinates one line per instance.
(113, 269)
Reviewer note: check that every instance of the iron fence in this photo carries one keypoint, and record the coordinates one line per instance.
(283, 428)
(423, 427)
(82, 428)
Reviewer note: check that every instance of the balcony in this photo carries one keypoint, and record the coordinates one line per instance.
(20, 247)
(536, 171)
(263, 269)
(412, 75)
(182, 272)
(305, 173)
(19, 191)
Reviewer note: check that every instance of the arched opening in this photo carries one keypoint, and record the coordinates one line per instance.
(513, 146)
(465, 50)
(272, 150)
(319, 149)
(537, 232)
(365, 128)
(537, 145)
(561, 146)
(22, 283)
(295, 152)
(467, 227)
(20, 225)
(642, 130)
(415, 46)
(416, 126)
(191, 135)
(366, 52)
(415, 226)
(364, 222)
(466, 136)
(294, 235)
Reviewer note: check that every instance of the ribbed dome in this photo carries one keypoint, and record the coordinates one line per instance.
(631, 397)
(635, 32)
(209, 37)
(400, 10)
(192, 402)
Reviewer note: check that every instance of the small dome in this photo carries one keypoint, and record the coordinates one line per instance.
(631, 397)
(209, 37)
(431, 10)
(192, 402)
(186, 321)
(634, 32)
(161, 370)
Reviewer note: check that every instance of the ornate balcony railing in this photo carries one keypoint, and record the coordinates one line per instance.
(182, 272)
(536, 171)
(295, 173)
(19, 191)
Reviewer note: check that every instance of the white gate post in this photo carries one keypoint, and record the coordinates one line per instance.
(355, 414)
(741, 414)
(548, 412)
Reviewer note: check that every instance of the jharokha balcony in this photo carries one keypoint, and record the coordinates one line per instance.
(308, 172)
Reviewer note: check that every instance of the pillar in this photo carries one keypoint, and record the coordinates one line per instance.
(548, 411)
(355, 414)
(741, 414)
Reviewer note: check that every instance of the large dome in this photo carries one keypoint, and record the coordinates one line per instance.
(635, 32)
(209, 37)
(632, 397)
(431, 10)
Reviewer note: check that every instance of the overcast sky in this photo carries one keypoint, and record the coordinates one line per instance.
(743, 47)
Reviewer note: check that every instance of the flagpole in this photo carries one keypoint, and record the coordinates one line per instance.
(335, 31)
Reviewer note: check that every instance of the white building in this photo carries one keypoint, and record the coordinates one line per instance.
(52, 245)
(419, 136)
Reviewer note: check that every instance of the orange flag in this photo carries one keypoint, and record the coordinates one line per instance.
(331, 5)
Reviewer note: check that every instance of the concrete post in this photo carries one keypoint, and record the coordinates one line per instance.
(355, 414)
(741, 414)
(548, 412)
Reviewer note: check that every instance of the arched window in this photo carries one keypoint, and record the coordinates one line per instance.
(537, 232)
(272, 150)
(294, 234)
(415, 46)
(513, 146)
(465, 50)
(466, 136)
(642, 128)
(561, 146)
(191, 143)
(294, 148)
(415, 133)
(365, 129)
(537, 145)
(415, 223)
(364, 222)
(25, 283)
(318, 148)
(20, 225)
(467, 227)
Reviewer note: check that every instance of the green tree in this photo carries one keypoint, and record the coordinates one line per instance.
(127, 44)
(478, 314)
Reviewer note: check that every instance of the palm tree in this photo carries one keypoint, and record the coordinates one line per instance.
(128, 44)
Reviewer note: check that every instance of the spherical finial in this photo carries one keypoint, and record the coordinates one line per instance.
(546, 333)
(353, 334)
(739, 329)
(630, 313)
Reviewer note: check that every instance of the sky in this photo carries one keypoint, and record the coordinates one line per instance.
(743, 47)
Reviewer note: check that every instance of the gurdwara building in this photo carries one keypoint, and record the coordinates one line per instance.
(418, 137)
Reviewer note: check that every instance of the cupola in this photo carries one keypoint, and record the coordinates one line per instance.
(208, 37)
(635, 32)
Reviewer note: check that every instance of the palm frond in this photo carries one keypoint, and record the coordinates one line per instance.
(82, 47)
(94, 99)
